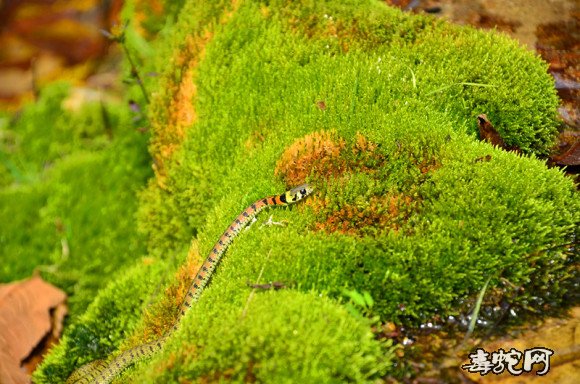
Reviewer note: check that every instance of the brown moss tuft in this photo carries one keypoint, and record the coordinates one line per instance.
(381, 213)
(429, 165)
(144, 12)
(346, 33)
(170, 129)
(366, 156)
(159, 317)
(265, 11)
(173, 361)
(323, 155)
(186, 273)
(318, 153)
(228, 13)
(170, 134)
(228, 373)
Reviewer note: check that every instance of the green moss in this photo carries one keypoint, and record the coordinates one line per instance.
(307, 338)
(121, 303)
(70, 213)
(23, 244)
(47, 131)
(419, 218)
(266, 80)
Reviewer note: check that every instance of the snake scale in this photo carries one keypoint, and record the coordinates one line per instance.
(101, 372)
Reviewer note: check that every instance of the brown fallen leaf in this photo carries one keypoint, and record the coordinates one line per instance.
(30, 312)
(567, 151)
(487, 132)
(557, 44)
(42, 40)
(571, 157)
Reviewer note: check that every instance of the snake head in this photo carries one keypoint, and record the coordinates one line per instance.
(298, 193)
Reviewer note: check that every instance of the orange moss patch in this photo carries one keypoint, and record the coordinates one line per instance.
(265, 11)
(228, 373)
(174, 361)
(323, 155)
(186, 272)
(170, 128)
(184, 113)
(170, 134)
(366, 157)
(380, 214)
(428, 165)
(159, 318)
(425, 162)
(328, 28)
(318, 153)
(227, 15)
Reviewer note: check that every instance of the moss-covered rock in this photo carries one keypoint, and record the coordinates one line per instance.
(281, 337)
(377, 110)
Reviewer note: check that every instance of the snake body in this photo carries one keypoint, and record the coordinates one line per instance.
(101, 372)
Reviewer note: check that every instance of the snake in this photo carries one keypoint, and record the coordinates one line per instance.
(102, 372)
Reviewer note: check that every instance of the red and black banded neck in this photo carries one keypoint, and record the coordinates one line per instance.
(274, 200)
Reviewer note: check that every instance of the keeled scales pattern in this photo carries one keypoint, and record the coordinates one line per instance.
(101, 372)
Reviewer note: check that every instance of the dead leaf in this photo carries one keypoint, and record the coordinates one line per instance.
(487, 132)
(567, 152)
(41, 41)
(557, 43)
(571, 157)
(31, 311)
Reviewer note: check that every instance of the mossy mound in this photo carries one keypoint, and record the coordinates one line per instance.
(302, 68)
(67, 202)
(282, 337)
(110, 315)
(377, 110)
